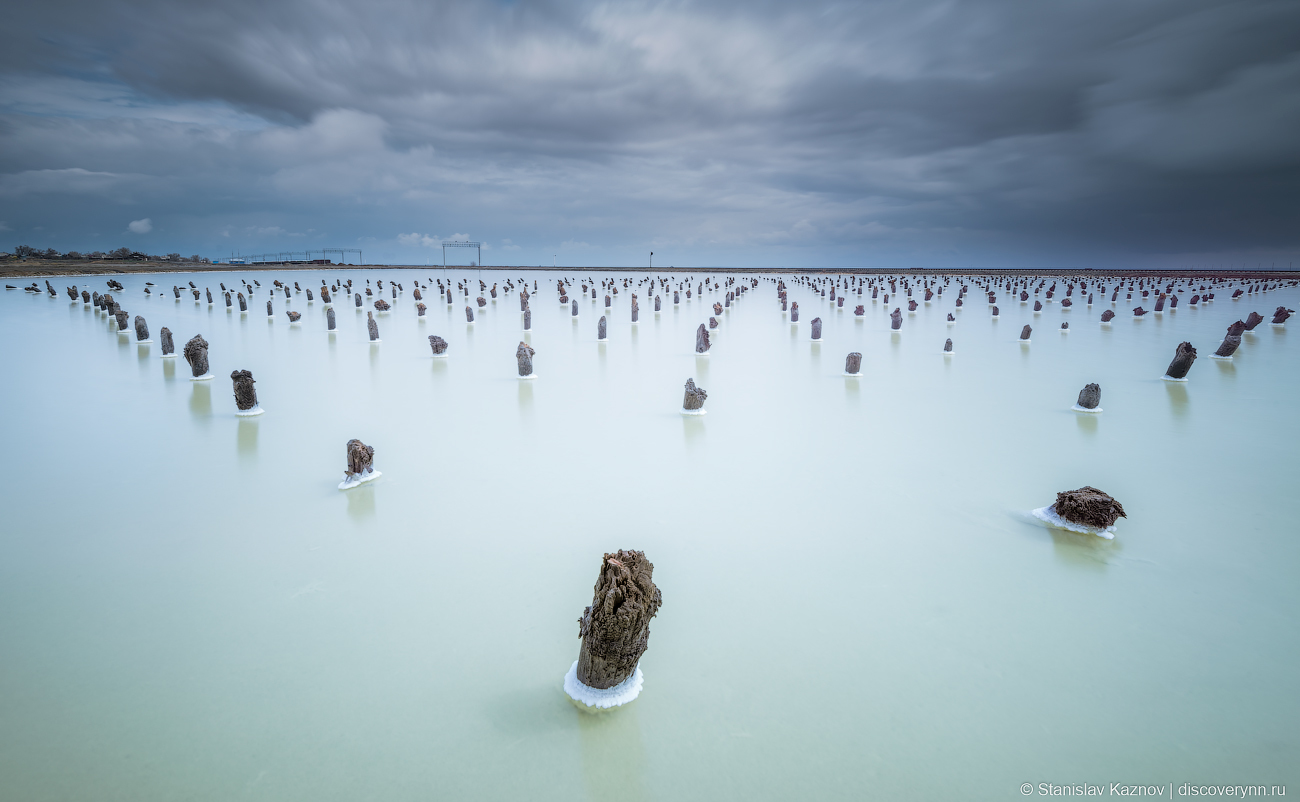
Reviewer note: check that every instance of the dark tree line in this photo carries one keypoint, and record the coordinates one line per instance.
(121, 254)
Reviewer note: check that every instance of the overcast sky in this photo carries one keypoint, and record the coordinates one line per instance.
(1103, 133)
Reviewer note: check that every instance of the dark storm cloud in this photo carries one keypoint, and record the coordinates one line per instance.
(884, 133)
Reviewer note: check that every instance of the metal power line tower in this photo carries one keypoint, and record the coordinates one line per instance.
(478, 246)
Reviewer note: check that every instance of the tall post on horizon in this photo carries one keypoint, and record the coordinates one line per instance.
(652, 261)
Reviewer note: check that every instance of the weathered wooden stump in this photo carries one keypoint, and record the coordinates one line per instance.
(1232, 341)
(1184, 356)
(361, 458)
(702, 340)
(196, 353)
(694, 396)
(1088, 506)
(245, 395)
(524, 358)
(615, 628)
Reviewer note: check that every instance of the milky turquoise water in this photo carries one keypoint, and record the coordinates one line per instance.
(856, 604)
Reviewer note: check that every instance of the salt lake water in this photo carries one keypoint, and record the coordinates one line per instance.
(856, 601)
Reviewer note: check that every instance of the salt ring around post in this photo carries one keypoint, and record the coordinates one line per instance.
(1048, 516)
(694, 413)
(1169, 378)
(206, 377)
(1077, 408)
(1222, 358)
(596, 700)
(144, 342)
(349, 483)
(168, 356)
(250, 413)
(848, 375)
(529, 376)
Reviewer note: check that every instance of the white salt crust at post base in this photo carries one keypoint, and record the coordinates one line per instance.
(250, 413)
(351, 482)
(206, 377)
(602, 699)
(1048, 516)
(694, 413)
(1094, 411)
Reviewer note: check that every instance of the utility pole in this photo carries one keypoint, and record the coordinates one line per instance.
(652, 261)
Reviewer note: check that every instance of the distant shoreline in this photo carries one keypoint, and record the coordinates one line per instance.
(41, 269)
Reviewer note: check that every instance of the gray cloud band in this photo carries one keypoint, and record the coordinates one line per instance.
(991, 133)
